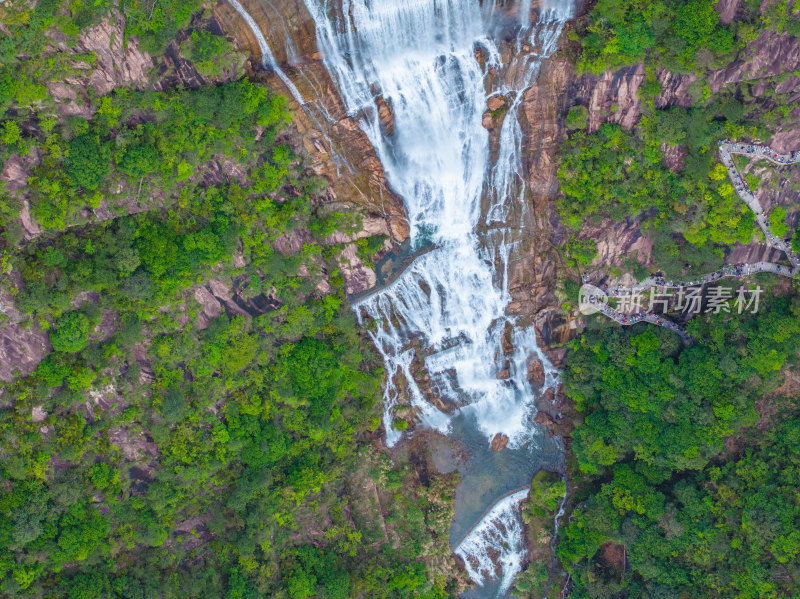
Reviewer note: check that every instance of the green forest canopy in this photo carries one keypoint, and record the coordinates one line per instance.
(653, 471)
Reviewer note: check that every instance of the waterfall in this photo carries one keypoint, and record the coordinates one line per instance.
(429, 60)
(267, 57)
(421, 57)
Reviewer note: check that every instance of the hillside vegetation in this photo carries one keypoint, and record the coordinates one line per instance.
(203, 421)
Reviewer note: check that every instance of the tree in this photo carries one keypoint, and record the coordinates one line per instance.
(577, 117)
(139, 160)
(71, 333)
(88, 161)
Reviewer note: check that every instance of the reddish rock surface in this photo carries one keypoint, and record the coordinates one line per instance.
(543, 419)
(727, 10)
(21, 350)
(495, 102)
(536, 372)
(499, 442)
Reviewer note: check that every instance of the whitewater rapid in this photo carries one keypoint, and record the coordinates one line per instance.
(497, 543)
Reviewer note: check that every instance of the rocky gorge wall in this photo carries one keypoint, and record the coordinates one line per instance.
(342, 153)
(613, 97)
(337, 147)
(332, 145)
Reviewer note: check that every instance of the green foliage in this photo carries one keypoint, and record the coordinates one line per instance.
(626, 383)
(538, 512)
(655, 417)
(139, 160)
(88, 161)
(616, 174)
(530, 582)
(577, 118)
(192, 450)
(796, 240)
(777, 219)
(632, 264)
(182, 130)
(580, 252)
(782, 17)
(157, 23)
(547, 492)
(71, 333)
(209, 52)
(681, 35)
(367, 247)
(11, 133)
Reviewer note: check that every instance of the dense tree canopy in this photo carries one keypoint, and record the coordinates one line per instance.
(678, 34)
(656, 416)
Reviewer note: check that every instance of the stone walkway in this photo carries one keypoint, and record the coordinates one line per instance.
(650, 317)
(726, 149)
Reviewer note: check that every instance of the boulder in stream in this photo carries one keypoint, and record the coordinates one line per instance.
(499, 442)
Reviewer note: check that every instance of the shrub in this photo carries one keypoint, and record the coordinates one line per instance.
(577, 118)
(139, 160)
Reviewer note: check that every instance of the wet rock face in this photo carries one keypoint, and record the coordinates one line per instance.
(385, 115)
(674, 157)
(21, 347)
(727, 10)
(612, 97)
(14, 174)
(541, 118)
(674, 88)
(532, 272)
(754, 252)
(543, 419)
(119, 62)
(358, 276)
(495, 102)
(536, 374)
(618, 240)
(768, 56)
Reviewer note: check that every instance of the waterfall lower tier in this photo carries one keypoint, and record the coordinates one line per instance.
(495, 548)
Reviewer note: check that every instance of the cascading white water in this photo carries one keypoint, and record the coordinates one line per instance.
(497, 541)
(421, 56)
(267, 58)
